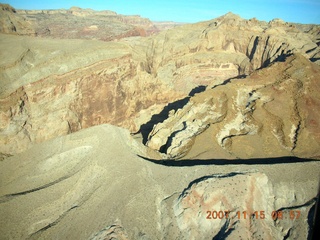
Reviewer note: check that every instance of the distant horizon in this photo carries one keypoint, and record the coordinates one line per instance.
(295, 11)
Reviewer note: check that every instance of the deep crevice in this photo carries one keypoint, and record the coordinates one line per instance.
(254, 48)
(198, 89)
(146, 128)
(308, 203)
(165, 147)
(314, 220)
(295, 140)
(224, 232)
(287, 235)
(310, 50)
(310, 218)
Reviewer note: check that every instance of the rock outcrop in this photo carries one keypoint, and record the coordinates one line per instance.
(200, 210)
(86, 83)
(271, 113)
(112, 89)
(222, 129)
(210, 52)
(13, 23)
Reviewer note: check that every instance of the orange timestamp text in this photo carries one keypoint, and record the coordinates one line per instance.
(279, 214)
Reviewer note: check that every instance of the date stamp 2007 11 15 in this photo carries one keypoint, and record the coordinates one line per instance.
(285, 214)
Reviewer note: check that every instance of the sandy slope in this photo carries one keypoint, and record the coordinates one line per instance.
(75, 186)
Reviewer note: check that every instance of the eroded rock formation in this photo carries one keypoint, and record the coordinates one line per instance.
(210, 111)
(112, 89)
(211, 52)
(272, 112)
(200, 210)
(127, 84)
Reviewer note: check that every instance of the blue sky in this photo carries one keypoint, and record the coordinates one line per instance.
(302, 11)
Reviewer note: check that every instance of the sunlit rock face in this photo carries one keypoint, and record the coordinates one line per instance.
(216, 136)
(270, 113)
(112, 91)
(48, 90)
(211, 52)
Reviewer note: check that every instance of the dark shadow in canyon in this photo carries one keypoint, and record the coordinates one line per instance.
(165, 147)
(196, 90)
(281, 58)
(146, 128)
(313, 59)
(252, 161)
(314, 218)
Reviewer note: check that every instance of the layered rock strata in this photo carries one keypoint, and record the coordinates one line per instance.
(48, 90)
(271, 113)
(202, 94)
(76, 23)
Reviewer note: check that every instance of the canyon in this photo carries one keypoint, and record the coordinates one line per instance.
(146, 127)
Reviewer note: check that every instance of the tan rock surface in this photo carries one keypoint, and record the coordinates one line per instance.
(11, 22)
(51, 88)
(222, 48)
(74, 23)
(74, 84)
(92, 185)
(202, 93)
(270, 113)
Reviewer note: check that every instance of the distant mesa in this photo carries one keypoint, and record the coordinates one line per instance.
(74, 23)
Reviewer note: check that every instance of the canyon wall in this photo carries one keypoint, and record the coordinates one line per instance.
(204, 131)
(52, 91)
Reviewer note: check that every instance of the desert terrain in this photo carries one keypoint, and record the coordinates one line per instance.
(117, 127)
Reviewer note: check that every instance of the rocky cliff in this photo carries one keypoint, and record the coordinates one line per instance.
(249, 68)
(217, 137)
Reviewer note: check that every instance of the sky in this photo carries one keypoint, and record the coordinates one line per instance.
(186, 11)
